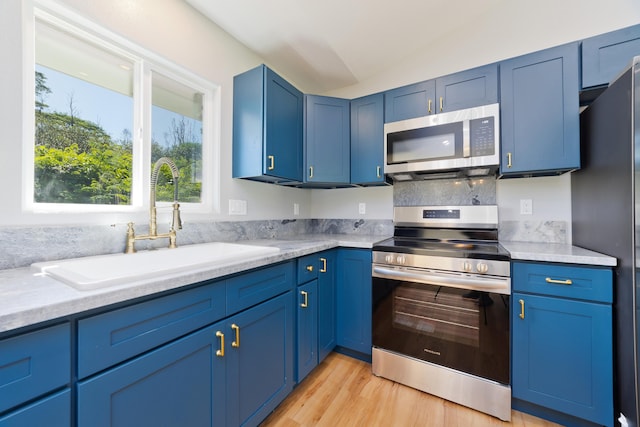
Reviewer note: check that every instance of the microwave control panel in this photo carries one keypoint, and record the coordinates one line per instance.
(482, 136)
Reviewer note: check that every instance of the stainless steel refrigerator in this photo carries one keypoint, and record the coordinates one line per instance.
(604, 197)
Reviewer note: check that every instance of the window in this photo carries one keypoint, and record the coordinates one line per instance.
(104, 112)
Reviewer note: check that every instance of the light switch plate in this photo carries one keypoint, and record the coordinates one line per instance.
(362, 208)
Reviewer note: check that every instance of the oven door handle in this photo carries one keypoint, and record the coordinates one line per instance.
(476, 283)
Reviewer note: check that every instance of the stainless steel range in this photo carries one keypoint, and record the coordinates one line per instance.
(440, 315)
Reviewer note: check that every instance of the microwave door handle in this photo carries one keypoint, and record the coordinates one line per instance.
(466, 139)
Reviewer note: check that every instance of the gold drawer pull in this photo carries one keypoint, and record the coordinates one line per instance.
(271, 163)
(305, 295)
(378, 175)
(429, 106)
(220, 353)
(441, 103)
(236, 328)
(521, 308)
(309, 268)
(558, 282)
(509, 160)
(323, 269)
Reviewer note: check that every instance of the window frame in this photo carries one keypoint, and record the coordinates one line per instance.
(145, 64)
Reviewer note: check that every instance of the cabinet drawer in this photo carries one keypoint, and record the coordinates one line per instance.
(52, 411)
(307, 268)
(563, 280)
(107, 339)
(34, 364)
(252, 288)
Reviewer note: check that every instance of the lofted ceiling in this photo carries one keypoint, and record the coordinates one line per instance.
(331, 44)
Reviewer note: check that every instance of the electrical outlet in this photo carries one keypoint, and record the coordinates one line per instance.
(296, 209)
(526, 207)
(362, 208)
(237, 207)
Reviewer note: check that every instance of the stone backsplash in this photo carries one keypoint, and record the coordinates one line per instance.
(22, 246)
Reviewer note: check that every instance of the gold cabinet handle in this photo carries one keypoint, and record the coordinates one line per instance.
(378, 170)
(305, 296)
(429, 106)
(521, 308)
(441, 103)
(310, 172)
(309, 268)
(558, 282)
(236, 328)
(220, 353)
(323, 269)
(508, 160)
(272, 162)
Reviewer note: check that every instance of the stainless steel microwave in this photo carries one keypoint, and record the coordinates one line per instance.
(463, 142)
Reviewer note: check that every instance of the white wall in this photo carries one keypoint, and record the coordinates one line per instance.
(511, 29)
(174, 30)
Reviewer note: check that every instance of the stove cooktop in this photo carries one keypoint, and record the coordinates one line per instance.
(444, 248)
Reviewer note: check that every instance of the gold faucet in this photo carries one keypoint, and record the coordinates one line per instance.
(176, 222)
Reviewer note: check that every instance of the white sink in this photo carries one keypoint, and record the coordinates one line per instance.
(107, 270)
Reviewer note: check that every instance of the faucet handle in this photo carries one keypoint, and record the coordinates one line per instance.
(176, 223)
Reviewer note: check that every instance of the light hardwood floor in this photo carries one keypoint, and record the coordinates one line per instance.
(343, 392)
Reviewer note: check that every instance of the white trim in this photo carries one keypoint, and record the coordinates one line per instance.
(145, 61)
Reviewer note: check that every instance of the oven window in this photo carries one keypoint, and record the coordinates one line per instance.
(457, 328)
(443, 316)
(427, 143)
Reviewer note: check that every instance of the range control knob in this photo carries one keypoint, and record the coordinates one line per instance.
(482, 267)
(400, 259)
(388, 259)
(466, 266)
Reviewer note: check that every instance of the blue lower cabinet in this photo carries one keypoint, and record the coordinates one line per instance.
(307, 322)
(52, 411)
(34, 364)
(327, 274)
(259, 360)
(181, 383)
(562, 359)
(354, 300)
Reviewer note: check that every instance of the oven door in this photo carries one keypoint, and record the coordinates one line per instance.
(464, 327)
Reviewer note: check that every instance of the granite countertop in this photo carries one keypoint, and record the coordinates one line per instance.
(556, 252)
(29, 298)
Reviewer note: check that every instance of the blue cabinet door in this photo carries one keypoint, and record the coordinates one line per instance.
(562, 356)
(354, 300)
(540, 112)
(606, 55)
(367, 140)
(260, 365)
(466, 89)
(327, 152)
(408, 102)
(267, 127)
(307, 321)
(181, 383)
(327, 271)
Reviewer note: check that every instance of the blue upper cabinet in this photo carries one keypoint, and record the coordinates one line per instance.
(367, 140)
(267, 127)
(326, 130)
(408, 102)
(466, 89)
(539, 105)
(469, 88)
(606, 55)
